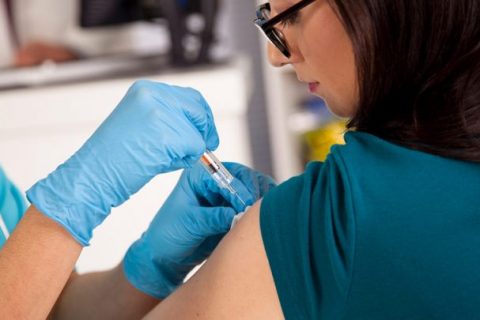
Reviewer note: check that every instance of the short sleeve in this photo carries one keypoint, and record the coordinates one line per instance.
(12, 204)
(308, 231)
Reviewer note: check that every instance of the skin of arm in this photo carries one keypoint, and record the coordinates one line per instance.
(235, 283)
(35, 265)
(102, 295)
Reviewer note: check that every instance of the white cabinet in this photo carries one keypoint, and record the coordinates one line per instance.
(41, 126)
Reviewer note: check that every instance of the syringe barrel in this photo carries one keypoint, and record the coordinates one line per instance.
(216, 169)
(221, 176)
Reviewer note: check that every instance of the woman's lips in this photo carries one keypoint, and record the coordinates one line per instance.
(312, 87)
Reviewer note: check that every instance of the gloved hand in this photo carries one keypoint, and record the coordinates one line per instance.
(156, 128)
(191, 222)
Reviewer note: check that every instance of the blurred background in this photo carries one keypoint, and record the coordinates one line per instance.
(65, 64)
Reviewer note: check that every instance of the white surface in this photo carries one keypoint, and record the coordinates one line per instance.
(41, 127)
(79, 70)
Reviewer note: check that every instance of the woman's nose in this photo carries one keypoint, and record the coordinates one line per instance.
(275, 57)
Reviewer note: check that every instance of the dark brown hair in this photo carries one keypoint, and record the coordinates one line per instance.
(418, 65)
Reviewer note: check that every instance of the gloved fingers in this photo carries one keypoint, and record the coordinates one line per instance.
(249, 185)
(265, 184)
(190, 161)
(189, 118)
(206, 222)
(205, 249)
(242, 197)
(199, 186)
(200, 114)
(216, 195)
(190, 145)
(256, 182)
(212, 242)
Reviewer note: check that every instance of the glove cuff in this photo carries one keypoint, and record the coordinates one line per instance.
(57, 198)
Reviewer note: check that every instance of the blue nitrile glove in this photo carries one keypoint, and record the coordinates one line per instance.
(156, 128)
(191, 222)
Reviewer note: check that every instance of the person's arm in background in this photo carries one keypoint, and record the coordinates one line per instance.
(33, 45)
(36, 52)
(62, 38)
(235, 283)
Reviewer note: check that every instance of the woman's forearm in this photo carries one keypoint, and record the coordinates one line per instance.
(35, 264)
(102, 295)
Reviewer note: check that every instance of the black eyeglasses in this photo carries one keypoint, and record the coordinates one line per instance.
(267, 25)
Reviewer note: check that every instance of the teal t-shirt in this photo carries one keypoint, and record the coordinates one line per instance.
(12, 206)
(377, 231)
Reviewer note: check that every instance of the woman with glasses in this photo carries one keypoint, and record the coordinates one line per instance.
(388, 227)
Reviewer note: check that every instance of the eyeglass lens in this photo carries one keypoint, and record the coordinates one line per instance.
(275, 36)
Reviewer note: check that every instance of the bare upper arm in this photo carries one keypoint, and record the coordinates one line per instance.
(235, 283)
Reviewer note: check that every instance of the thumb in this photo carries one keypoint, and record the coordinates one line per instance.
(213, 221)
(190, 148)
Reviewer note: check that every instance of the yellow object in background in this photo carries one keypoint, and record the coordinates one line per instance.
(319, 141)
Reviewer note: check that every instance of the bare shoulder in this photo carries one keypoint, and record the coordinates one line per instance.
(235, 283)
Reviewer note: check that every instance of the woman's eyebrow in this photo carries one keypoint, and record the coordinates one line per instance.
(277, 6)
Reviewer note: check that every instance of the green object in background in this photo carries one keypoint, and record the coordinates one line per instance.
(319, 141)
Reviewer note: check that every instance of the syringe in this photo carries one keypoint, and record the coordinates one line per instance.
(220, 174)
